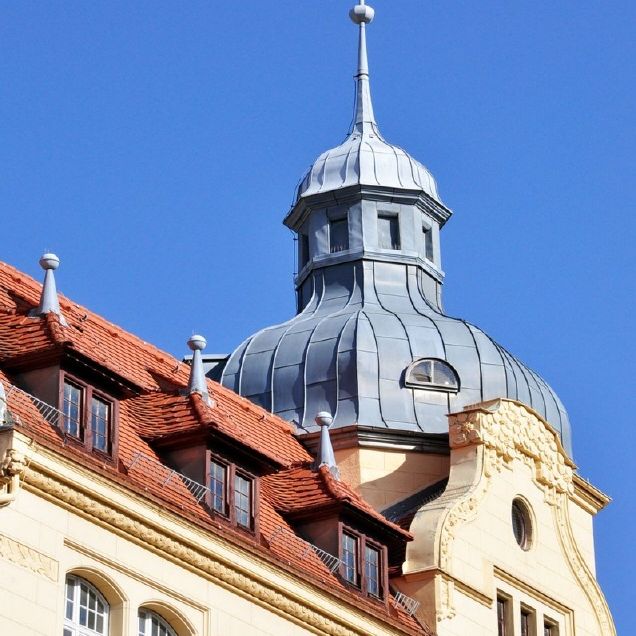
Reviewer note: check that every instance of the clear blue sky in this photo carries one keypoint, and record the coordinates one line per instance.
(155, 147)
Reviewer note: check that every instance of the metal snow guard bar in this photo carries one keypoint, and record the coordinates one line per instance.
(332, 562)
(409, 604)
(167, 477)
(53, 416)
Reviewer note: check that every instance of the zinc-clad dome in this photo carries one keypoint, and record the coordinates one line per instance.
(365, 158)
(368, 217)
(348, 351)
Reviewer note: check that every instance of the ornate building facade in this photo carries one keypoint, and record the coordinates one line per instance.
(371, 466)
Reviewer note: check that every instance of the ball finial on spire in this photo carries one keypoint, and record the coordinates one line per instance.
(197, 342)
(362, 13)
(49, 261)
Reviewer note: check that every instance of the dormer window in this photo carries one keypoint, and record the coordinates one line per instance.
(232, 492)
(388, 232)
(363, 562)
(87, 415)
(338, 235)
(431, 373)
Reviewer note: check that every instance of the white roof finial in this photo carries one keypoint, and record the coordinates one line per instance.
(49, 302)
(326, 455)
(198, 383)
(362, 14)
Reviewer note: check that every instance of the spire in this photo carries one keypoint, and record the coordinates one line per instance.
(362, 14)
(198, 383)
(325, 451)
(49, 303)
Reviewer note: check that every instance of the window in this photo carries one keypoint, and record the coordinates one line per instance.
(151, 624)
(428, 242)
(236, 502)
(303, 250)
(86, 612)
(338, 235)
(527, 622)
(350, 558)
(218, 487)
(362, 562)
(432, 373)
(521, 524)
(502, 616)
(388, 232)
(550, 628)
(87, 415)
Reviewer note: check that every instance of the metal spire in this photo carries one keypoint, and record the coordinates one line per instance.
(198, 383)
(326, 456)
(362, 14)
(48, 300)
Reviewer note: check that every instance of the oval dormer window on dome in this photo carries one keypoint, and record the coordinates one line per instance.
(433, 374)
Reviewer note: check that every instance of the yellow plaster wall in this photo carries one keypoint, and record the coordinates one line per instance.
(130, 576)
(384, 477)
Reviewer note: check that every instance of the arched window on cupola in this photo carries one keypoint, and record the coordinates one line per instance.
(432, 374)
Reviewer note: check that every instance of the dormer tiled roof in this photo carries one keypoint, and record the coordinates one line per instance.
(158, 408)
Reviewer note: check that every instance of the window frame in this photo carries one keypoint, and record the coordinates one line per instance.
(550, 627)
(528, 616)
(362, 541)
(432, 386)
(333, 249)
(391, 217)
(231, 471)
(86, 433)
(428, 246)
(150, 614)
(504, 619)
(72, 624)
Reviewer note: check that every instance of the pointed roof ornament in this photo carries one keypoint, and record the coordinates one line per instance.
(326, 455)
(364, 119)
(49, 303)
(198, 382)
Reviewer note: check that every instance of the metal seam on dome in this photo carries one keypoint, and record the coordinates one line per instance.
(481, 372)
(364, 313)
(351, 317)
(496, 348)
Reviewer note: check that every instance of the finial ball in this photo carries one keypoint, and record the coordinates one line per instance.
(49, 261)
(197, 343)
(324, 418)
(361, 13)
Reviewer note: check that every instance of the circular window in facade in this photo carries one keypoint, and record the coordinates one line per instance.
(522, 524)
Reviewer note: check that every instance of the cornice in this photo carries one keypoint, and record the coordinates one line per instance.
(208, 555)
(588, 496)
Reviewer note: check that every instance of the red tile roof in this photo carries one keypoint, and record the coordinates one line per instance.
(157, 413)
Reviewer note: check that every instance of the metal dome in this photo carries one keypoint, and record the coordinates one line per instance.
(348, 350)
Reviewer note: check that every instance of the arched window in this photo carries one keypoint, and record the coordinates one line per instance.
(434, 374)
(151, 624)
(86, 612)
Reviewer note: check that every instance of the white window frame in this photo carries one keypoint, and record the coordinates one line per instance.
(144, 623)
(72, 626)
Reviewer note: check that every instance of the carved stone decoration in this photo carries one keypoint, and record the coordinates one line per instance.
(26, 557)
(513, 431)
(240, 580)
(580, 569)
(12, 467)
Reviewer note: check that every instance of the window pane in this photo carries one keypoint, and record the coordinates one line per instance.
(428, 243)
(350, 558)
(525, 623)
(151, 624)
(501, 617)
(372, 570)
(84, 608)
(217, 487)
(388, 232)
(422, 372)
(72, 409)
(100, 424)
(338, 235)
(303, 250)
(243, 501)
(443, 375)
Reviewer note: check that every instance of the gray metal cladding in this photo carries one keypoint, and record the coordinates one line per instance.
(347, 351)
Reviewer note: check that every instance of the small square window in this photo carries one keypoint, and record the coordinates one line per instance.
(388, 232)
(338, 235)
(428, 242)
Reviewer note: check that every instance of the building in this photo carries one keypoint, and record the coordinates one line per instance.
(371, 466)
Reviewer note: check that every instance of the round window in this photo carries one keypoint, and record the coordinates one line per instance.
(521, 524)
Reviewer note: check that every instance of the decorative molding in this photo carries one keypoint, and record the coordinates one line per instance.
(579, 568)
(588, 497)
(12, 467)
(216, 567)
(29, 558)
(509, 430)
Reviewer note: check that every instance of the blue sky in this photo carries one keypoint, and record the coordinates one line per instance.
(155, 147)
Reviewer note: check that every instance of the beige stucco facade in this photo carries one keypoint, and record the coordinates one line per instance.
(64, 518)
(465, 554)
